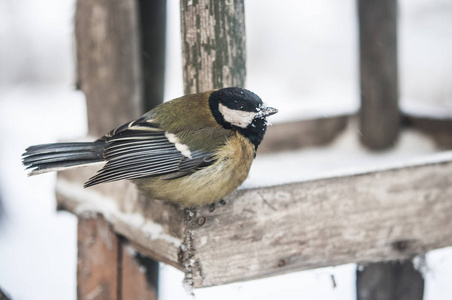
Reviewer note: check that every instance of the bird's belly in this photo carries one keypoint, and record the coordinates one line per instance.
(208, 185)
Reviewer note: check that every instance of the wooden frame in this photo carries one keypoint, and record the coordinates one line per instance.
(379, 215)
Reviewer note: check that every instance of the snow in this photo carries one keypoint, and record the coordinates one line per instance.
(302, 59)
(345, 156)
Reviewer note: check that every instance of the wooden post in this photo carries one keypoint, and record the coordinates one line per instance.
(152, 20)
(108, 62)
(379, 124)
(97, 263)
(214, 56)
(396, 280)
(379, 115)
(213, 44)
(120, 64)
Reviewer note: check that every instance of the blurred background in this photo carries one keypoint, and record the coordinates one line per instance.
(302, 58)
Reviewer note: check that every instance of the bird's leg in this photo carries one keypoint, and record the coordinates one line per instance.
(222, 202)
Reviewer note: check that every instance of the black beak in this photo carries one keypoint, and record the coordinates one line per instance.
(266, 111)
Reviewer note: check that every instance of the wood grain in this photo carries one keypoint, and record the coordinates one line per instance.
(376, 216)
(97, 275)
(213, 44)
(156, 225)
(139, 279)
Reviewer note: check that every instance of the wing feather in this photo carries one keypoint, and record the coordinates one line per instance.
(141, 149)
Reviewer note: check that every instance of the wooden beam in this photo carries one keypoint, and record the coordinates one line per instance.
(438, 129)
(300, 134)
(379, 114)
(262, 232)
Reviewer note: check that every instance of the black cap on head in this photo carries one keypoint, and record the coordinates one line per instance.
(237, 98)
(242, 110)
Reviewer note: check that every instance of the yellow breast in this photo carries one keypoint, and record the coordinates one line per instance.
(210, 184)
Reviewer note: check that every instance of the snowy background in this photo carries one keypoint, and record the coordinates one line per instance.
(302, 59)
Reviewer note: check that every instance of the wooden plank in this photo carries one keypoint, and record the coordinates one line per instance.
(359, 218)
(213, 44)
(397, 280)
(97, 264)
(440, 130)
(379, 114)
(108, 62)
(139, 275)
(280, 229)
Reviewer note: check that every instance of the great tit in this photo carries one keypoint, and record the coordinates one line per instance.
(191, 151)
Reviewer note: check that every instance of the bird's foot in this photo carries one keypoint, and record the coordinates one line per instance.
(213, 205)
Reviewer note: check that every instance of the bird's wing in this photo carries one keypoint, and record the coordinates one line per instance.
(141, 149)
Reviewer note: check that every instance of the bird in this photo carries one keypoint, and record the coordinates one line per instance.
(190, 151)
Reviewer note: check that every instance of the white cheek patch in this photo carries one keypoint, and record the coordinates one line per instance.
(179, 146)
(236, 117)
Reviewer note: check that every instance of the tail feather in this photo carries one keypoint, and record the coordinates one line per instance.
(59, 156)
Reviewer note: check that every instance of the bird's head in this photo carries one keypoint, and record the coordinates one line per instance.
(240, 109)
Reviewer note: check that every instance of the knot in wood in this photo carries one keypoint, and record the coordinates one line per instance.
(201, 221)
(282, 262)
(402, 245)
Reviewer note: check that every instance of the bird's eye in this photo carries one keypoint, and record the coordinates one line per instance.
(242, 107)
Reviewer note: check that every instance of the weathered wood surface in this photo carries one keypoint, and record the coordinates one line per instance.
(107, 268)
(369, 217)
(108, 62)
(97, 275)
(213, 44)
(213, 56)
(155, 227)
(379, 114)
(139, 277)
(396, 280)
